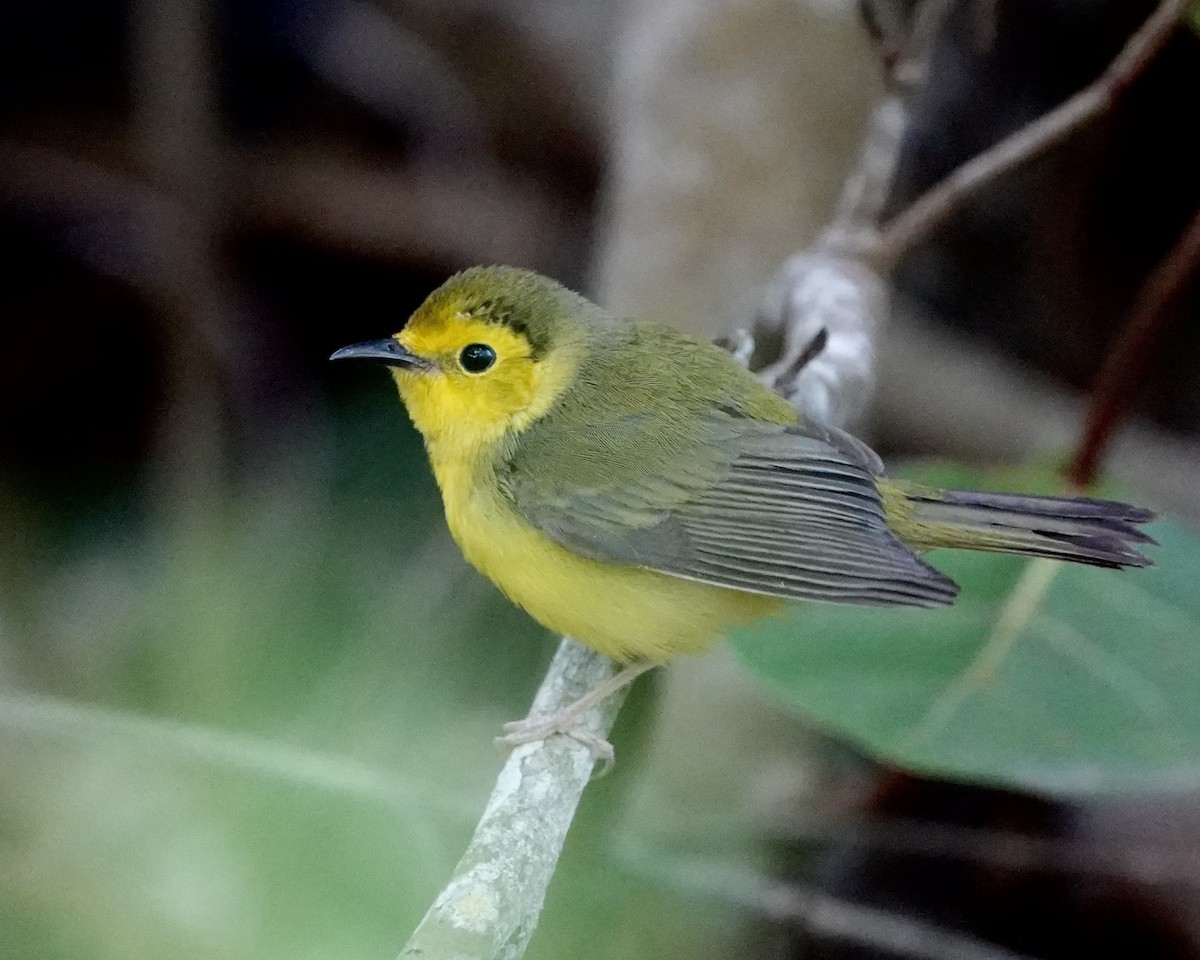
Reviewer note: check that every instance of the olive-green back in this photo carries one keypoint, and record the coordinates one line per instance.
(666, 454)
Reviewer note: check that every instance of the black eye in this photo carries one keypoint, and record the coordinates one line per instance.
(476, 357)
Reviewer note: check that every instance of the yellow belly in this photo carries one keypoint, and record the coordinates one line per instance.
(623, 612)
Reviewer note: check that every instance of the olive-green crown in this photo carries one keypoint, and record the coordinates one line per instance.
(534, 306)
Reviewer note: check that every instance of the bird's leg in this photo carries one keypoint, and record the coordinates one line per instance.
(566, 720)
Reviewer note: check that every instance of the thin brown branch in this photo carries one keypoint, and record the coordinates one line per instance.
(1150, 862)
(941, 392)
(813, 910)
(176, 137)
(896, 935)
(866, 188)
(1126, 362)
(934, 207)
(879, 35)
(456, 214)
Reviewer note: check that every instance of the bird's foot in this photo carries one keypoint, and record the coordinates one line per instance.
(566, 722)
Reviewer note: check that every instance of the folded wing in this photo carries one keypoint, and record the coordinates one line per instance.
(786, 510)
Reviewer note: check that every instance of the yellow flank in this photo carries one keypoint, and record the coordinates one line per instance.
(626, 613)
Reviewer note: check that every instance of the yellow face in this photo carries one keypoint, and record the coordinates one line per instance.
(482, 381)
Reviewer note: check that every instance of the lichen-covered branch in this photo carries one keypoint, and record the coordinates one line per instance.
(491, 905)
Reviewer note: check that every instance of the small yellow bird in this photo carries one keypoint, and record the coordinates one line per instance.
(636, 488)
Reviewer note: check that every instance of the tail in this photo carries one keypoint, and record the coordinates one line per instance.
(1097, 532)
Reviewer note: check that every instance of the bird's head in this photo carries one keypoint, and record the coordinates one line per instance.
(485, 355)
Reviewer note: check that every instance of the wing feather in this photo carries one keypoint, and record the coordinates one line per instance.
(848, 592)
(786, 510)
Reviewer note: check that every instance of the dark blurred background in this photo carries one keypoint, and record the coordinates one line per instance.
(248, 686)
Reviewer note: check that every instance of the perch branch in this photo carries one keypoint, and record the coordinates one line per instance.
(491, 905)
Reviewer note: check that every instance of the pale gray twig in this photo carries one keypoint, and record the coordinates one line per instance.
(831, 289)
(491, 905)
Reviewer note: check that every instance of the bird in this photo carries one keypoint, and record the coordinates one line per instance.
(636, 488)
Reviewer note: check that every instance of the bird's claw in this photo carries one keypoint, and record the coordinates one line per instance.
(533, 729)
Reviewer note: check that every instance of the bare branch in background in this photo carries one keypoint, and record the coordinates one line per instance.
(899, 936)
(816, 912)
(362, 50)
(175, 130)
(463, 214)
(105, 210)
(1149, 862)
(932, 209)
(838, 284)
(1127, 358)
(830, 287)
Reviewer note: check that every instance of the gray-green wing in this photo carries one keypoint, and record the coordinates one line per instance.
(785, 510)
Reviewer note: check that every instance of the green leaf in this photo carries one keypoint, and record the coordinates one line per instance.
(1193, 15)
(1047, 676)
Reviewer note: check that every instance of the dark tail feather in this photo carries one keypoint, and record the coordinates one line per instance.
(1098, 532)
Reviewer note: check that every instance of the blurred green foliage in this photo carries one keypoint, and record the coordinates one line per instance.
(262, 727)
(1044, 676)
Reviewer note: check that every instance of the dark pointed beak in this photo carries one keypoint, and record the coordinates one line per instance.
(381, 351)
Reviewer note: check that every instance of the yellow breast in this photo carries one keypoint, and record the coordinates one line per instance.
(623, 612)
